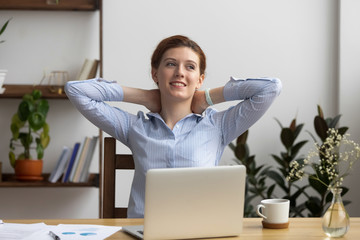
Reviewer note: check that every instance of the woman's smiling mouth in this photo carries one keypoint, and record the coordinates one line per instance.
(178, 84)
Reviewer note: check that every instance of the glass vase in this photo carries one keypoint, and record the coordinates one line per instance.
(336, 220)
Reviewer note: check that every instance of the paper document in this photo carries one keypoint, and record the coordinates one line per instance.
(12, 231)
(40, 231)
(88, 232)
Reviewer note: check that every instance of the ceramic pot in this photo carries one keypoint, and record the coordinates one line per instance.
(28, 170)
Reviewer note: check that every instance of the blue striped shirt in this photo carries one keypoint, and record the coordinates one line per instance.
(196, 140)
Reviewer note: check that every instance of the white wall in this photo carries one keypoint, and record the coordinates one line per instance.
(349, 87)
(240, 38)
(295, 40)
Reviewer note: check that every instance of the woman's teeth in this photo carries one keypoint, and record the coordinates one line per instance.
(178, 84)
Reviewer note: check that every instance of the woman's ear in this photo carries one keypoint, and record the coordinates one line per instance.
(154, 75)
(201, 81)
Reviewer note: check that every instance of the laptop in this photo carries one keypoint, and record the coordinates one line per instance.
(183, 203)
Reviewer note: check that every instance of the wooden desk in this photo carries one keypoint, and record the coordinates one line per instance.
(299, 228)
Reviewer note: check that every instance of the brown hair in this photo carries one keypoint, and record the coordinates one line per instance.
(174, 42)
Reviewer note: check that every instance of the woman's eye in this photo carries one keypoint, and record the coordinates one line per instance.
(170, 64)
(192, 67)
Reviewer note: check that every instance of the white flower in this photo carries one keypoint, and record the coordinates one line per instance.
(334, 160)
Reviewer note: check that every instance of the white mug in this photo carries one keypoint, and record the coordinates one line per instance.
(274, 210)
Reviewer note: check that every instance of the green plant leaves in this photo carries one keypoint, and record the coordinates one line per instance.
(39, 149)
(26, 123)
(26, 139)
(296, 148)
(16, 125)
(242, 138)
(313, 204)
(2, 30)
(320, 111)
(241, 152)
(321, 127)
(342, 130)
(4, 26)
(43, 107)
(318, 186)
(287, 161)
(45, 138)
(36, 120)
(278, 179)
(287, 137)
(36, 94)
(12, 158)
(25, 109)
(256, 175)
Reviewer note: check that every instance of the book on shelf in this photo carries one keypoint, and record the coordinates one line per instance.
(80, 168)
(85, 160)
(74, 163)
(60, 165)
(82, 160)
(77, 159)
(88, 69)
(84, 173)
(70, 163)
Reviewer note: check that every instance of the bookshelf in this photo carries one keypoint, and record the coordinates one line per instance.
(8, 180)
(16, 91)
(49, 92)
(53, 5)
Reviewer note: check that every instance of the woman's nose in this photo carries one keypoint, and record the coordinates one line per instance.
(179, 71)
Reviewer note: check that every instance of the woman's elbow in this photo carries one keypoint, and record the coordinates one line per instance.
(277, 86)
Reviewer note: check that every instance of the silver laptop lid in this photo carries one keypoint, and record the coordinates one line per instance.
(194, 202)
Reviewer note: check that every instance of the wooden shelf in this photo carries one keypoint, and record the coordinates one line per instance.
(18, 91)
(8, 180)
(60, 5)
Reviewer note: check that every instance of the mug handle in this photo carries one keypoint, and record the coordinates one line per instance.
(258, 211)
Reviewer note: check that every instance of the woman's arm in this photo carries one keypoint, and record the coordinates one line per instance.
(148, 98)
(199, 103)
(255, 96)
(90, 97)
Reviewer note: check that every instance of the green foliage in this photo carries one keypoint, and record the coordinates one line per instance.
(3, 28)
(28, 126)
(255, 175)
(290, 168)
(291, 191)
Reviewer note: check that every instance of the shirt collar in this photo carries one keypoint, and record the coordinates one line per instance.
(158, 116)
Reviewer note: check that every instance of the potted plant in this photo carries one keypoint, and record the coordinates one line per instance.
(30, 132)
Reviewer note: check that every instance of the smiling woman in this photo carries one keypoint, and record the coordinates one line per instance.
(178, 77)
(180, 130)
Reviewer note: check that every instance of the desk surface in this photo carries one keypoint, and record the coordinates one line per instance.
(299, 228)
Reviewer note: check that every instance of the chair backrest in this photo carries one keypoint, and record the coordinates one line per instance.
(113, 161)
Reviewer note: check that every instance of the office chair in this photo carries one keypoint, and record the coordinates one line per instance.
(113, 161)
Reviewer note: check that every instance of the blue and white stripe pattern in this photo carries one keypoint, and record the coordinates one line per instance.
(196, 140)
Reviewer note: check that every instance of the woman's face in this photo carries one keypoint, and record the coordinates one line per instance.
(178, 75)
